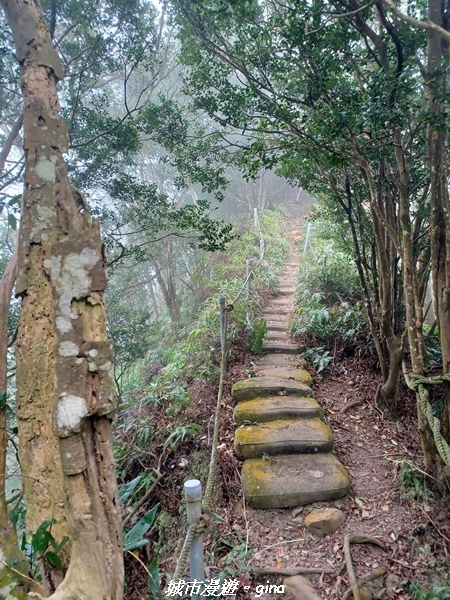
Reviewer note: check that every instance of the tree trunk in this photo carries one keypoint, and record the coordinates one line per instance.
(14, 582)
(436, 83)
(65, 357)
(168, 289)
(382, 211)
(6, 288)
(413, 305)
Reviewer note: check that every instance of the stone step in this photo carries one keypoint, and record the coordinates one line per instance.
(277, 316)
(275, 334)
(261, 410)
(279, 360)
(280, 323)
(293, 480)
(282, 347)
(259, 387)
(282, 302)
(283, 436)
(285, 290)
(286, 373)
(277, 325)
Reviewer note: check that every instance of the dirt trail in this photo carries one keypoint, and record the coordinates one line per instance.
(372, 450)
(281, 437)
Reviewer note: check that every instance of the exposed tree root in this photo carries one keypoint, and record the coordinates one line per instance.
(365, 579)
(348, 407)
(357, 539)
(258, 571)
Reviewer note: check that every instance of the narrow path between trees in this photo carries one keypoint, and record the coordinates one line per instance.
(275, 413)
(286, 446)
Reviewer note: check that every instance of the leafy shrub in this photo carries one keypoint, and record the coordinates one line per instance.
(330, 273)
(341, 325)
(436, 593)
(194, 355)
(320, 358)
(258, 332)
(412, 481)
(330, 310)
(433, 347)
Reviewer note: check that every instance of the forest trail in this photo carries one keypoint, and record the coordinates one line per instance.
(281, 470)
(285, 445)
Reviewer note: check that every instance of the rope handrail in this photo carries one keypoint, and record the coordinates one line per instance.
(418, 384)
(248, 277)
(194, 530)
(197, 528)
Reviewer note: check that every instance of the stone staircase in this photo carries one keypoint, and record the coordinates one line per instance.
(285, 445)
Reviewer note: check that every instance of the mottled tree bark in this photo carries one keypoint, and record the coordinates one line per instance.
(6, 288)
(63, 353)
(436, 85)
(384, 227)
(14, 582)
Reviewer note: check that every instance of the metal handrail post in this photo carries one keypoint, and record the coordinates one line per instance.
(193, 497)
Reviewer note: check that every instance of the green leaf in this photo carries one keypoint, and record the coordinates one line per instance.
(15, 200)
(12, 221)
(134, 538)
(43, 538)
(2, 399)
(360, 503)
(62, 543)
(126, 490)
(154, 578)
(54, 559)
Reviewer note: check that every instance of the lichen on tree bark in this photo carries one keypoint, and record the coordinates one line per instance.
(64, 355)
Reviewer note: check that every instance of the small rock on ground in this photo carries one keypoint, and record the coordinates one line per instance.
(324, 521)
(299, 588)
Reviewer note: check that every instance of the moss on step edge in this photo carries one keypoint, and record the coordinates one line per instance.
(261, 410)
(293, 480)
(248, 389)
(283, 437)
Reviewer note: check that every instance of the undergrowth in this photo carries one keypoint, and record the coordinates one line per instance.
(163, 431)
(436, 593)
(330, 316)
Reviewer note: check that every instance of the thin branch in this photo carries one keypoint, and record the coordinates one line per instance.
(427, 25)
(9, 142)
(148, 493)
(353, 12)
(53, 19)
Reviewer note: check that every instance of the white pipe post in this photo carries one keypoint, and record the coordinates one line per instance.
(193, 496)
(308, 231)
(255, 218)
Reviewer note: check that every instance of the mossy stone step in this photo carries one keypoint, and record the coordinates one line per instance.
(283, 436)
(282, 347)
(287, 373)
(261, 410)
(277, 324)
(279, 360)
(257, 387)
(293, 480)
